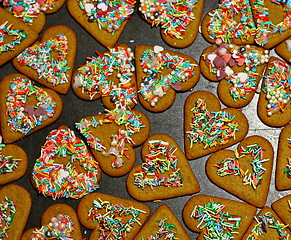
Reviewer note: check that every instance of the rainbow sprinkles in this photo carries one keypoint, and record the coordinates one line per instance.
(7, 213)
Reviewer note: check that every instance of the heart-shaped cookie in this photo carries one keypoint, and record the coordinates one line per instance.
(50, 61)
(59, 221)
(273, 20)
(160, 73)
(15, 205)
(231, 22)
(14, 36)
(248, 169)
(65, 168)
(267, 225)
(164, 173)
(26, 108)
(283, 165)
(163, 224)
(208, 128)
(112, 136)
(274, 108)
(32, 12)
(110, 76)
(104, 20)
(111, 217)
(179, 20)
(238, 68)
(282, 207)
(217, 218)
(13, 162)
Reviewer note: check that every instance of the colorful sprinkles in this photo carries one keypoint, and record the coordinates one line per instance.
(8, 164)
(39, 57)
(109, 15)
(165, 231)
(277, 83)
(287, 170)
(60, 180)
(59, 227)
(115, 220)
(264, 26)
(210, 128)
(174, 17)
(231, 166)
(23, 118)
(268, 220)
(218, 222)
(7, 213)
(7, 30)
(154, 62)
(159, 163)
(223, 22)
(226, 56)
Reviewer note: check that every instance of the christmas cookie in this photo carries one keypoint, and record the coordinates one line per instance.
(217, 218)
(163, 224)
(14, 36)
(179, 20)
(245, 172)
(104, 20)
(267, 225)
(65, 168)
(25, 108)
(110, 76)
(32, 12)
(283, 165)
(112, 136)
(274, 108)
(231, 22)
(13, 162)
(282, 207)
(111, 216)
(165, 172)
(273, 21)
(50, 61)
(161, 73)
(284, 50)
(208, 128)
(59, 221)
(15, 205)
(238, 68)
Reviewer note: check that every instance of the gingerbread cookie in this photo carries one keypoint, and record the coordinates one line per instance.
(163, 224)
(112, 136)
(284, 50)
(111, 216)
(65, 168)
(25, 108)
(104, 20)
(283, 166)
(59, 221)
(217, 218)
(267, 225)
(111, 76)
(208, 128)
(238, 68)
(282, 207)
(231, 22)
(14, 36)
(50, 61)
(274, 108)
(273, 21)
(160, 73)
(165, 172)
(245, 172)
(32, 12)
(13, 162)
(15, 205)
(179, 20)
